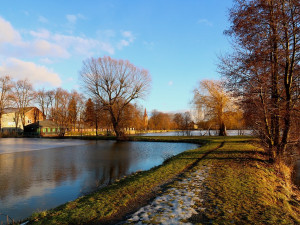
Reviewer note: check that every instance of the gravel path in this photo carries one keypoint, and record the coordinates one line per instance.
(176, 205)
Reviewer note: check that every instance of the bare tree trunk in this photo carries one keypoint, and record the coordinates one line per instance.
(222, 129)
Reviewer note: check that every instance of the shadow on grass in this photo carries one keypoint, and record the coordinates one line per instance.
(259, 156)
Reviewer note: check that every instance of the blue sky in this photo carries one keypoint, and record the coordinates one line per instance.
(176, 40)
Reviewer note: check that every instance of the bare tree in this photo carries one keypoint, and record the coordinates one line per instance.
(212, 98)
(44, 99)
(6, 85)
(23, 94)
(59, 110)
(264, 68)
(115, 83)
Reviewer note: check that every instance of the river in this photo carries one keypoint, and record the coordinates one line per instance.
(38, 174)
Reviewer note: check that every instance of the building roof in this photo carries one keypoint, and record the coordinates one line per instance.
(44, 123)
(13, 110)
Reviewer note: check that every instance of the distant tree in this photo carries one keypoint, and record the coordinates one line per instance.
(178, 121)
(183, 122)
(23, 94)
(59, 110)
(114, 83)
(72, 113)
(133, 117)
(160, 121)
(90, 114)
(44, 99)
(6, 86)
(212, 98)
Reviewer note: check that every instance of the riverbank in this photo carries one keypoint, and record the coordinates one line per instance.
(240, 187)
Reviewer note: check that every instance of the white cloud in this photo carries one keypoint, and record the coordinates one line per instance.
(170, 83)
(45, 48)
(128, 35)
(46, 44)
(38, 75)
(84, 46)
(8, 34)
(128, 38)
(205, 22)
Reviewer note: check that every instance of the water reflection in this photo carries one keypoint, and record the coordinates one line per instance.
(47, 177)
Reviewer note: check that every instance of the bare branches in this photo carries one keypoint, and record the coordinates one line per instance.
(115, 83)
(264, 67)
(213, 101)
(22, 96)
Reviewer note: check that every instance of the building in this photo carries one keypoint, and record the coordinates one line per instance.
(11, 119)
(45, 128)
(145, 120)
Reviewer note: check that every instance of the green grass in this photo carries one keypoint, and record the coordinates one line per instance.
(242, 188)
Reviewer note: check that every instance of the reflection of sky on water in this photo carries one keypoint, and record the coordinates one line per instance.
(10, 145)
(38, 180)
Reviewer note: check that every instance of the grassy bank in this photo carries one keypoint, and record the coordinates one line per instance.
(242, 188)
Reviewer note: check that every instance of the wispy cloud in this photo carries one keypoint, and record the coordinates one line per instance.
(170, 83)
(205, 22)
(26, 13)
(44, 43)
(42, 19)
(72, 18)
(46, 60)
(8, 33)
(128, 38)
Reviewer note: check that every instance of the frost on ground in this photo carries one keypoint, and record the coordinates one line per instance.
(176, 205)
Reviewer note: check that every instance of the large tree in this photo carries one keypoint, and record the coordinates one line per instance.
(264, 68)
(114, 83)
(214, 101)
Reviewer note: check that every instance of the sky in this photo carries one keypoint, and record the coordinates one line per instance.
(177, 41)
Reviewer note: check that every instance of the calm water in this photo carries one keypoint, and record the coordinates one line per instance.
(38, 174)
